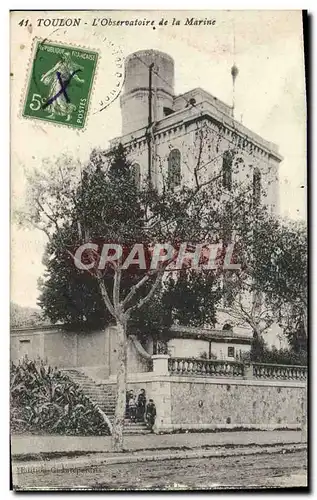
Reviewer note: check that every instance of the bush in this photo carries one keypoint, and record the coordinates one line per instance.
(261, 353)
(45, 400)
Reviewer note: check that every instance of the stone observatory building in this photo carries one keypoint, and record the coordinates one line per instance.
(166, 135)
(160, 131)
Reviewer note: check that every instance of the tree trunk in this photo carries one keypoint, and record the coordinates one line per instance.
(257, 346)
(117, 428)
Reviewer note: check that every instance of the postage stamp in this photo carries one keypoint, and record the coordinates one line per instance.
(60, 84)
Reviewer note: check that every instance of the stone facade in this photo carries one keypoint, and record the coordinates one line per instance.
(176, 120)
(97, 350)
(194, 402)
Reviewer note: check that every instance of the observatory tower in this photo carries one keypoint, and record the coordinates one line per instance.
(135, 100)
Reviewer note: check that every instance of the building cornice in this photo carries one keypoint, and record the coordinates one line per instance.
(211, 335)
(206, 110)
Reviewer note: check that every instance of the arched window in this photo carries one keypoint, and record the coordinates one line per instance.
(227, 327)
(256, 187)
(174, 168)
(136, 173)
(227, 170)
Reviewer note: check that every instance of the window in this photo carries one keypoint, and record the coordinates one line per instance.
(25, 341)
(256, 187)
(136, 173)
(168, 111)
(238, 165)
(227, 170)
(174, 169)
(230, 352)
(227, 327)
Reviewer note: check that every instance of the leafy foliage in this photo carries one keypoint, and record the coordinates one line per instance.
(193, 297)
(261, 353)
(45, 400)
(281, 273)
(24, 316)
(273, 253)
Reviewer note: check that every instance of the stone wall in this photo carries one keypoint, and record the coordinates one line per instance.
(237, 403)
(208, 403)
(61, 348)
(65, 349)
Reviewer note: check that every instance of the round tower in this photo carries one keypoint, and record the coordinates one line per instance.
(135, 98)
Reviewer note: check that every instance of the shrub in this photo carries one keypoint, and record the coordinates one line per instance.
(45, 400)
(261, 353)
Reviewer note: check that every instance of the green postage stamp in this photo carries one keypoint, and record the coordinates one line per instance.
(60, 84)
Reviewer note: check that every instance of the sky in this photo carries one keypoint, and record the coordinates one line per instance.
(269, 99)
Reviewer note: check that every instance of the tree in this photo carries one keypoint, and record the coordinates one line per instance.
(24, 316)
(193, 297)
(284, 253)
(189, 298)
(272, 286)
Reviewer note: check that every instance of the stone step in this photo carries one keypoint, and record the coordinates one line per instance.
(132, 431)
(104, 397)
(102, 400)
(102, 404)
(98, 391)
(99, 394)
(135, 427)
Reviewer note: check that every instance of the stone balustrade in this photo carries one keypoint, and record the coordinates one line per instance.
(281, 372)
(205, 367)
(166, 365)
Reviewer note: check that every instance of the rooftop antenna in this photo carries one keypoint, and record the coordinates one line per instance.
(234, 70)
(150, 123)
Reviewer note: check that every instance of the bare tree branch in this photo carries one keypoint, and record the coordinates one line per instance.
(50, 217)
(145, 299)
(134, 289)
(116, 288)
(105, 296)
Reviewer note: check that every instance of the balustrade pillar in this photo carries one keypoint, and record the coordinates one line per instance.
(160, 364)
(161, 392)
(248, 371)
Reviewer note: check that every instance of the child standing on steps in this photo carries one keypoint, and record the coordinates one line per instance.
(150, 414)
(132, 407)
(141, 406)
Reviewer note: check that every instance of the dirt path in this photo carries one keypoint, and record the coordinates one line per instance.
(267, 470)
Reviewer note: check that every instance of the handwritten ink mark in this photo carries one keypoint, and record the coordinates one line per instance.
(64, 84)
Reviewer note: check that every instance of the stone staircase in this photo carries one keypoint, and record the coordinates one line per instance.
(105, 398)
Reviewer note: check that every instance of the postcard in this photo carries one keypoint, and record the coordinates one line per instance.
(159, 250)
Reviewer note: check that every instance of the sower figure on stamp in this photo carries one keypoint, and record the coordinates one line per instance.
(58, 78)
(150, 414)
